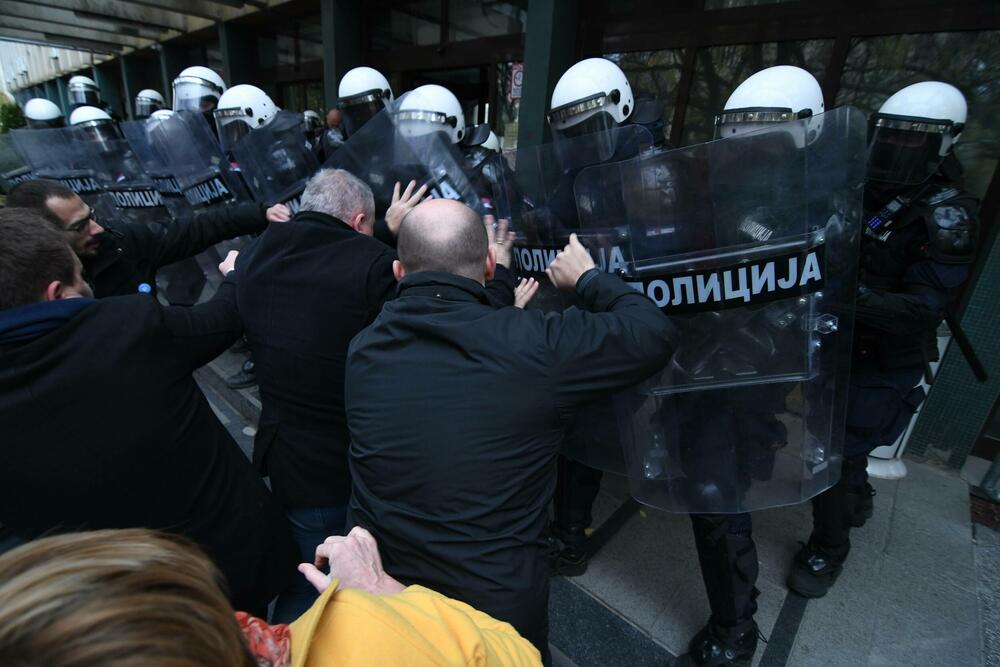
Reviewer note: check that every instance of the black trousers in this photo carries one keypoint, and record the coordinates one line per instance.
(729, 567)
(576, 488)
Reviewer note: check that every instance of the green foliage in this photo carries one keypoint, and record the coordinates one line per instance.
(11, 116)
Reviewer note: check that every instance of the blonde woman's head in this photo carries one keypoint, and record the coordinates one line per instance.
(115, 598)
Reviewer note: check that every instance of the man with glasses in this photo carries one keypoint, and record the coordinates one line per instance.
(124, 260)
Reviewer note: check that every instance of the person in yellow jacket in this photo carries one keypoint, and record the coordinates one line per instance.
(113, 598)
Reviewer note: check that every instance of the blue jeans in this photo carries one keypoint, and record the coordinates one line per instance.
(310, 526)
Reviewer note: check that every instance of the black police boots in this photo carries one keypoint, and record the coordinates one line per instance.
(721, 646)
(816, 568)
(243, 378)
(568, 555)
(818, 564)
(729, 568)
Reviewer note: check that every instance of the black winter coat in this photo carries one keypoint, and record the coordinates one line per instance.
(457, 410)
(131, 253)
(306, 288)
(103, 426)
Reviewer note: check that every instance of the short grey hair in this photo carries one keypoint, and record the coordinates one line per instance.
(339, 193)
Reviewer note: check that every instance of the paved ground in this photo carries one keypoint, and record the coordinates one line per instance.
(922, 587)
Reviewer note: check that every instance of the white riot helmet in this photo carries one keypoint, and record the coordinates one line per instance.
(40, 114)
(430, 109)
(241, 109)
(591, 96)
(83, 91)
(161, 114)
(95, 125)
(914, 131)
(148, 101)
(197, 89)
(363, 92)
(774, 95)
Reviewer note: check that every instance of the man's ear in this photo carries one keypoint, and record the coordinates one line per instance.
(491, 264)
(55, 291)
(358, 222)
(398, 270)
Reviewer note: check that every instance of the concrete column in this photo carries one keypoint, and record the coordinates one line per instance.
(239, 54)
(129, 85)
(172, 60)
(108, 78)
(549, 50)
(51, 93)
(62, 98)
(340, 22)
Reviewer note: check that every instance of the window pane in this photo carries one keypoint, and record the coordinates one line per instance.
(877, 67)
(654, 74)
(508, 103)
(472, 20)
(407, 24)
(719, 70)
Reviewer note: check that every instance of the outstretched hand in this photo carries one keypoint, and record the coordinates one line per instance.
(278, 213)
(229, 263)
(403, 204)
(572, 262)
(524, 291)
(501, 240)
(354, 560)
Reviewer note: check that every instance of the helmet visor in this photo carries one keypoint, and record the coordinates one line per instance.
(145, 106)
(359, 109)
(904, 151)
(101, 133)
(194, 94)
(49, 123)
(82, 95)
(417, 123)
(741, 121)
(232, 125)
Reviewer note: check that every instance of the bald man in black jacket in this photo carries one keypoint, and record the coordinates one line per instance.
(457, 409)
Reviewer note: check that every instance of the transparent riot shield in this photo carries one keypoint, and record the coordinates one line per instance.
(750, 245)
(131, 190)
(13, 169)
(537, 194)
(536, 191)
(381, 156)
(60, 154)
(206, 177)
(276, 160)
(139, 134)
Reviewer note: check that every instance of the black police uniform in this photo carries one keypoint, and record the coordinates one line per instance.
(918, 245)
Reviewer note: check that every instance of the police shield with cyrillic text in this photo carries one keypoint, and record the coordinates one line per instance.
(762, 290)
(139, 133)
(59, 154)
(13, 170)
(204, 174)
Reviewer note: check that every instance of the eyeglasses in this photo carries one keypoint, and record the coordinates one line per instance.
(82, 223)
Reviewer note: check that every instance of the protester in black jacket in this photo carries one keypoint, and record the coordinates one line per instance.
(104, 427)
(457, 410)
(306, 289)
(124, 259)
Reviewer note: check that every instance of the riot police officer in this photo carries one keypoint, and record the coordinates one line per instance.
(147, 102)
(727, 553)
(240, 110)
(362, 92)
(95, 125)
(590, 98)
(42, 114)
(83, 91)
(197, 88)
(918, 244)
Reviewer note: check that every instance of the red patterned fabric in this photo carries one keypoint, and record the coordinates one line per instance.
(270, 644)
